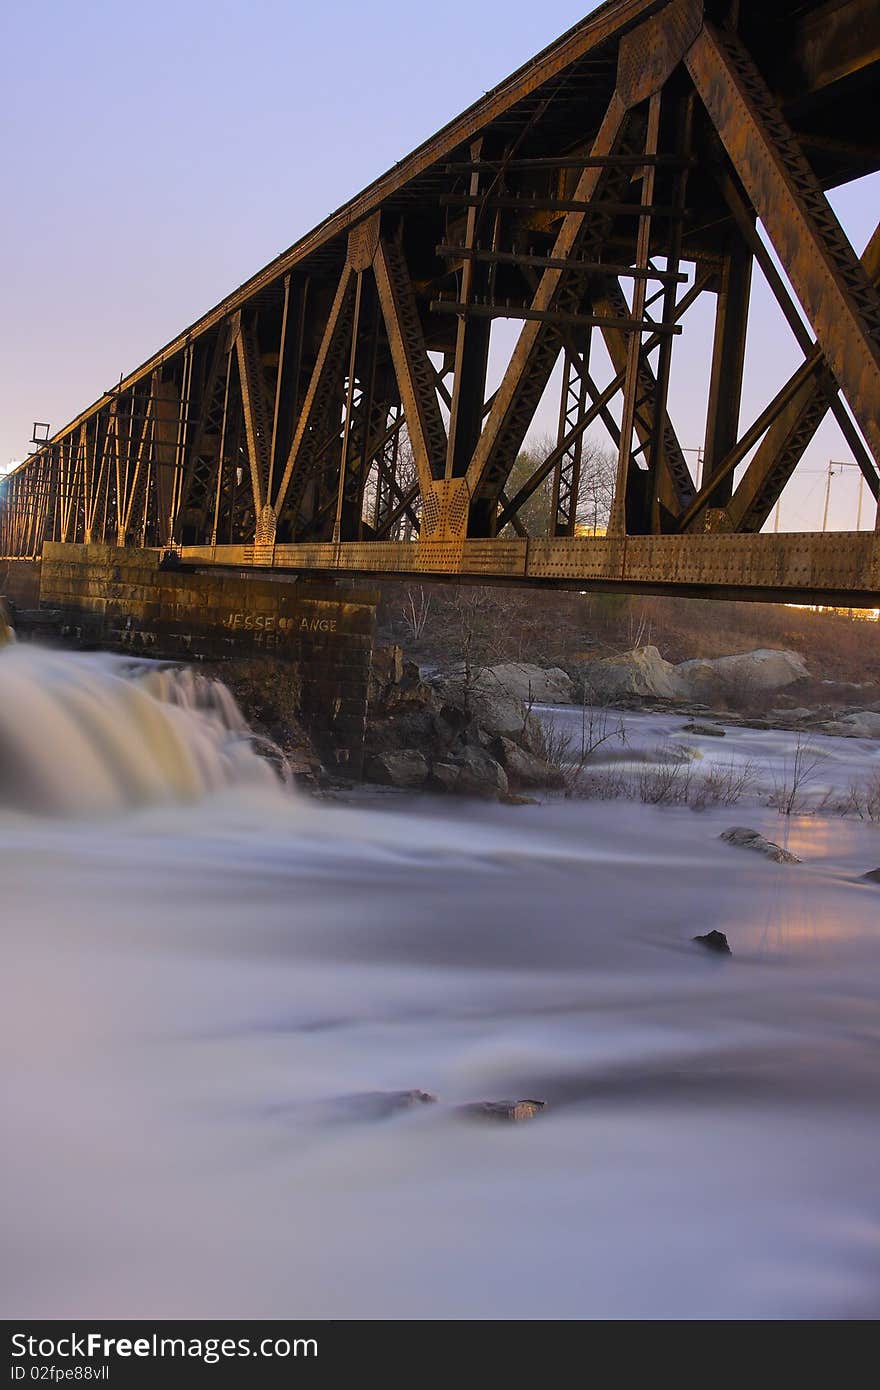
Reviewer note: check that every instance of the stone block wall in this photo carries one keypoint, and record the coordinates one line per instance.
(124, 600)
(20, 582)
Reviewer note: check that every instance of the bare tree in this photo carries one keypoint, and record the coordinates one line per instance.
(595, 487)
(416, 610)
(798, 769)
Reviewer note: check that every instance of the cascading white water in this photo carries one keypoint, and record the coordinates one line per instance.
(95, 734)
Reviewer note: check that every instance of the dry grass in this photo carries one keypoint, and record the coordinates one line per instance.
(565, 629)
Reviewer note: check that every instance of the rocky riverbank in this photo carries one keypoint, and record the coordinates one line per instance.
(471, 733)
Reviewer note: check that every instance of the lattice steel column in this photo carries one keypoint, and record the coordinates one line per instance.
(567, 473)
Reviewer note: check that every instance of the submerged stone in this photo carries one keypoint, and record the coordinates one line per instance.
(715, 941)
(380, 1105)
(507, 1111)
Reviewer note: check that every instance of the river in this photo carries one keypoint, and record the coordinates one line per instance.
(212, 983)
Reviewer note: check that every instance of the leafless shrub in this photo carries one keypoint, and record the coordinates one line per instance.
(799, 769)
(553, 743)
(868, 805)
(415, 611)
(667, 781)
(723, 785)
(607, 785)
(571, 758)
(862, 800)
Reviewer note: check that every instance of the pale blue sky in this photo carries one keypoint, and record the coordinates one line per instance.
(155, 158)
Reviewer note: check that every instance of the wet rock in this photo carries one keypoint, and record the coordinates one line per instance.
(872, 876)
(525, 769)
(404, 768)
(744, 838)
(470, 772)
(707, 730)
(798, 715)
(859, 724)
(490, 705)
(506, 1111)
(715, 941)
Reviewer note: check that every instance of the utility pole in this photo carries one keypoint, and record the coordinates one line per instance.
(842, 463)
(827, 494)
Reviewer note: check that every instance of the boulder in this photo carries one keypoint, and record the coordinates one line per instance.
(386, 671)
(644, 672)
(491, 706)
(544, 686)
(799, 714)
(707, 730)
(525, 769)
(386, 667)
(872, 876)
(762, 670)
(405, 767)
(858, 724)
(744, 838)
(639, 672)
(715, 941)
(470, 771)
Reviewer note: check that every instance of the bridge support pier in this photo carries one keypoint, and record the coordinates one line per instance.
(124, 600)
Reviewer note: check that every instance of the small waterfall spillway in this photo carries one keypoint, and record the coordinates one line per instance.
(94, 734)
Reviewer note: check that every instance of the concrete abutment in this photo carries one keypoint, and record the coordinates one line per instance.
(127, 600)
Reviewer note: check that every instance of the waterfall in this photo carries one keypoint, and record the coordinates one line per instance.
(94, 734)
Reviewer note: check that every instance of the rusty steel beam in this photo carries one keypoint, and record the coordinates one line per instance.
(516, 258)
(326, 368)
(838, 298)
(412, 366)
(783, 445)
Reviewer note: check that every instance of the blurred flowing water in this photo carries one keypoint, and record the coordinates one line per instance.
(208, 977)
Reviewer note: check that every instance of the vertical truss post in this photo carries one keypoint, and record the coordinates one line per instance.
(728, 361)
(177, 479)
(221, 455)
(278, 382)
(623, 503)
(349, 406)
(567, 473)
(471, 353)
(672, 482)
(386, 477)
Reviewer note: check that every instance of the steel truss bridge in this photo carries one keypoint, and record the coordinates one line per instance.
(333, 413)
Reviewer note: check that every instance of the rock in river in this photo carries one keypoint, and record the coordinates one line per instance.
(744, 838)
(715, 941)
